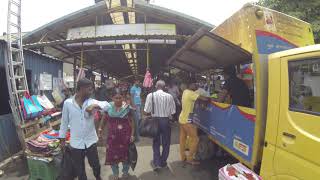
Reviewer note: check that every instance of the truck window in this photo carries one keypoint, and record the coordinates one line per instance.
(304, 84)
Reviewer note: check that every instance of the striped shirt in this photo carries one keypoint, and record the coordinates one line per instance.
(164, 105)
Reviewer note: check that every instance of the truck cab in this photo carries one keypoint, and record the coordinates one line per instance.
(292, 139)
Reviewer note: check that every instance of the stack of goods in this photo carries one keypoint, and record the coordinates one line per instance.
(46, 144)
(237, 172)
(34, 107)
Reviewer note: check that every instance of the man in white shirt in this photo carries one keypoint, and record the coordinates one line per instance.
(164, 107)
(77, 113)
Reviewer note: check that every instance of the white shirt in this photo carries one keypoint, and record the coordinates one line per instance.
(164, 105)
(82, 127)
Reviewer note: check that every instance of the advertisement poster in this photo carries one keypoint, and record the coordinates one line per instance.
(230, 125)
(45, 81)
(58, 83)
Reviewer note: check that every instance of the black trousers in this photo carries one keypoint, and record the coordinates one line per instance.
(78, 159)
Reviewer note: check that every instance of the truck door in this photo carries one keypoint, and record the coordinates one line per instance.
(298, 139)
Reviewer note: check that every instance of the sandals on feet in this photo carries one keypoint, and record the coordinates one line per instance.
(114, 177)
(125, 176)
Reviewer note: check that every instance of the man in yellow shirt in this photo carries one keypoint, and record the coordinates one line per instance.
(189, 97)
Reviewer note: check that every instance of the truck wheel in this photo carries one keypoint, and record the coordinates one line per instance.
(206, 148)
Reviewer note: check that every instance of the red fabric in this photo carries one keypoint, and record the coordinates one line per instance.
(119, 133)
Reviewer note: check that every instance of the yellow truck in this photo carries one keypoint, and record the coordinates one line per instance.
(278, 137)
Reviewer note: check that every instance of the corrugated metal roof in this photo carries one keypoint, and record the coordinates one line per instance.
(37, 63)
(101, 6)
(53, 36)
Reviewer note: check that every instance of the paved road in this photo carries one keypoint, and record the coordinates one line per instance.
(208, 170)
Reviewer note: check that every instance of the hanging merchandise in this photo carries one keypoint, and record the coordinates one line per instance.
(147, 83)
(29, 108)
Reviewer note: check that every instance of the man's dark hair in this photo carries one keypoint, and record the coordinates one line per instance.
(116, 91)
(230, 70)
(191, 81)
(84, 82)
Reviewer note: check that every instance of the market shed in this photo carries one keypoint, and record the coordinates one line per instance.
(120, 38)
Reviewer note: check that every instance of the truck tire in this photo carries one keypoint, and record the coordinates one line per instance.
(206, 148)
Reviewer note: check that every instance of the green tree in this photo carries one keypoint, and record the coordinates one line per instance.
(306, 10)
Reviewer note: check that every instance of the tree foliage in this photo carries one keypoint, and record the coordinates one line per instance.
(306, 10)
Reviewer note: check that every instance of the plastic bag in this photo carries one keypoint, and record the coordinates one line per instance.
(132, 156)
(67, 170)
(149, 127)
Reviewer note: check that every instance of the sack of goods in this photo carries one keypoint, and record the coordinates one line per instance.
(237, 172)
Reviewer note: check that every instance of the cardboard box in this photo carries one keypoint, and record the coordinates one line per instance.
(237, 172)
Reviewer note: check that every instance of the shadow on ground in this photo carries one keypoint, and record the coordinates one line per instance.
(177, 170)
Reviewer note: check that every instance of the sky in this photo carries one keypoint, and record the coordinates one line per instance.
(36, 13)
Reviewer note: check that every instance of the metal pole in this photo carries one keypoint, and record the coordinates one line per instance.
(145, 32)
(74, 73)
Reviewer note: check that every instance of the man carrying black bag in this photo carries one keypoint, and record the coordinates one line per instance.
(160, 105)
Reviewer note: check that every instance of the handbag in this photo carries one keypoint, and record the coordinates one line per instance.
(149, 127)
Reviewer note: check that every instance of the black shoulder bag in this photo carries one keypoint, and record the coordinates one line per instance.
(149, 126)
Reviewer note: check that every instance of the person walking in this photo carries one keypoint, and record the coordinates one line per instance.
(189, 97)
(120, 134)
(78, 114)
(135, 93)
(175, 92)
(164, 107)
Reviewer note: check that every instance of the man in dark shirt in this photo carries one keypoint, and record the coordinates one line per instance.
(236, 88)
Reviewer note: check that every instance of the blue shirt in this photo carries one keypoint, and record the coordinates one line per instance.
(82, 127)
(135, 94)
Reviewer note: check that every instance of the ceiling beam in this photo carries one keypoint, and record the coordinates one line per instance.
(108, 38)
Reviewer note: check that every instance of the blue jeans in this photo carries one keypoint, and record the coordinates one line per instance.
(137, 120)
(125, 168)
(164, 139)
